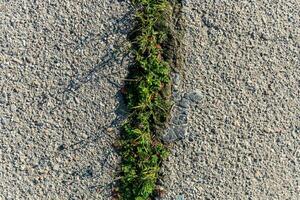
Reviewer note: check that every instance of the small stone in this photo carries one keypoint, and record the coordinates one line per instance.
(35, 181)
(180, 197)
(22, 167)
(17, 60)
(5, 120)
(110, 129)
(3, 98)
(176, 96)
(43, 170)
(76, 100)
(195, 96)
(55, 167)
(13, 108)
(61, 147)
(175, 132)
(169, 136)
(257, 174)
(180, 131)
(176, 80)
(180, 119)
(184, 103)
(22, 158)
(84, 136)
(268, 130)
(29, 59)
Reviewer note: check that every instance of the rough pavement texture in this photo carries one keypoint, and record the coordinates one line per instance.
(59, 82)
(242, 85)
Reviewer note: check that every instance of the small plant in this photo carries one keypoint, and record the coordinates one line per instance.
(147, 96)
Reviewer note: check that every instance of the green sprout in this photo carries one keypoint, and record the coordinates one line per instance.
(148, 100)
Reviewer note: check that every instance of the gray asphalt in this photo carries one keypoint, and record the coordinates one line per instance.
(236, 122)
(242, 60)
(60, 72)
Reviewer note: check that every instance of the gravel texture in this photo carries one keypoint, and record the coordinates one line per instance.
(236, 122)
(60, 73)
(241, 97)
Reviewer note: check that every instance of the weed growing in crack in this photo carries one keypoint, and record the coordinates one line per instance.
(147, 96)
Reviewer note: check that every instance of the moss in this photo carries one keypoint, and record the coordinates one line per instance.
(147, 98)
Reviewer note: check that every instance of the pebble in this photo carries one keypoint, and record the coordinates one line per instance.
(3, 98)
(55, 167)
(180, 197)
(196, 96)
(4, 120)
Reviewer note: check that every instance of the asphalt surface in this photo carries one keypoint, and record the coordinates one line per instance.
(60, 72)
(236, 122)
(241, 99)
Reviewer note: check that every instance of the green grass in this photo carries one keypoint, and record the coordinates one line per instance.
(147, 97)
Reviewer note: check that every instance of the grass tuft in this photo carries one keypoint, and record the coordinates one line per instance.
(147, 96)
